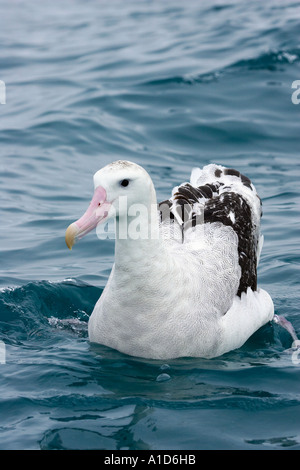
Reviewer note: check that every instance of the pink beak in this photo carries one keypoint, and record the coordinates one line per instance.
(96, 213)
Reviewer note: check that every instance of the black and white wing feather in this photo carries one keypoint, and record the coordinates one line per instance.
(223, 195)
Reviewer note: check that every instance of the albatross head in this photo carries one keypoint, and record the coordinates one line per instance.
(116, 180)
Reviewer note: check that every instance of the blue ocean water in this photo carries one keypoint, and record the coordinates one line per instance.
(170, 85)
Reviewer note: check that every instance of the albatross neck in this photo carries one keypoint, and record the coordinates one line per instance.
(137, 234)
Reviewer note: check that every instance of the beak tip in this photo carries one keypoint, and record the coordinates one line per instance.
(71, 233)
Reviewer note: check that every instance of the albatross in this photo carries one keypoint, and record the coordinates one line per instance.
(184, 278)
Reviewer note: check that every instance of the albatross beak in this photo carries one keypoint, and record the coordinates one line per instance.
(97, 212)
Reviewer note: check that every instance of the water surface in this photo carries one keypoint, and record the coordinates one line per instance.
(169, 85)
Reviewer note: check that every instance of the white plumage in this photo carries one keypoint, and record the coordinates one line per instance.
(188, 288)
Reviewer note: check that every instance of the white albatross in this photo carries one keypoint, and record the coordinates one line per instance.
(184, 280)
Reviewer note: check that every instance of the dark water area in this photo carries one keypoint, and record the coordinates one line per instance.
(169, 85)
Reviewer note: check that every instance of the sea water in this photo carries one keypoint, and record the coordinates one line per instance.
(170, 85)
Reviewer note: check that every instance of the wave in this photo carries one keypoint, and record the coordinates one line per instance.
(32, 311)
(271, 60)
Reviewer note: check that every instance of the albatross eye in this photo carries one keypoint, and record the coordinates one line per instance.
(124, 183)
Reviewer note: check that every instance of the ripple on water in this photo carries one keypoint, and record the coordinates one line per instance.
(169, 86)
